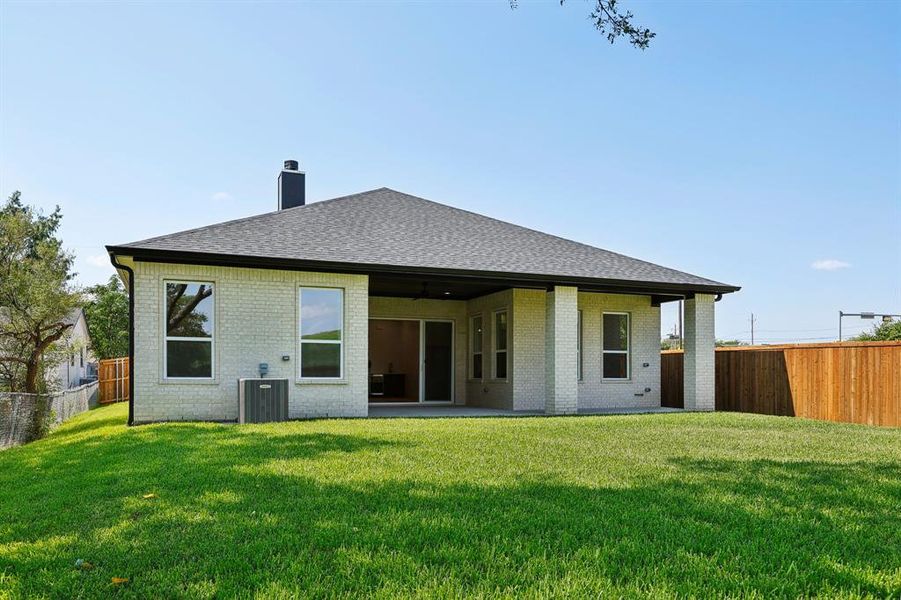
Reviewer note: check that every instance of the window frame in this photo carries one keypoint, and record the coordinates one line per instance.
(627, 352)
(472, 349)
(579, 344)
(167, 338)
(300, 341)
(494, 349)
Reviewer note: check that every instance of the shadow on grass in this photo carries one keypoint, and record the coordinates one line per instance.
(248, 512)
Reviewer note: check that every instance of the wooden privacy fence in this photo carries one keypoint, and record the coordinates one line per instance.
(113, 376)
(672, 379)
(851, 382)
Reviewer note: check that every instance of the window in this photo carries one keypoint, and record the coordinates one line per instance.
(81, 358)
(475, 361)
(321, 333)
(189, 330)
(500, 344)
(616, 346)
(579, 345)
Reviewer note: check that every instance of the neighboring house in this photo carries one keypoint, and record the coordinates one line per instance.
(386, 297)
(78, 362)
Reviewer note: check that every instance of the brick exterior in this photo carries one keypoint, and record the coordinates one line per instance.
(529, 349)
(644, 337)
(700, 343)
(255, 321)
(561, 366)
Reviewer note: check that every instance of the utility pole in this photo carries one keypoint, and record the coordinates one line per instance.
(752, 329)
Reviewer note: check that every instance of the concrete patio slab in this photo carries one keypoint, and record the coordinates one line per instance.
(420, 411)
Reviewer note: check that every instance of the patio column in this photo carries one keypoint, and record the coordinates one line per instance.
(561, 368)
(699, 353)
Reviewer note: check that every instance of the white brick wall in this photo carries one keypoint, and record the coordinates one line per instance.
(255, 321)
(529, 378)
(452, 310)
(561, 309)
(644, 322)
(490, 392)
(700, 344)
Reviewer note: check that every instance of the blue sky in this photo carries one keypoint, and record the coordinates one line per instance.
(749, 142)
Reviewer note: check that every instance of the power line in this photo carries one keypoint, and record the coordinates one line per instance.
(787, 339)
(785, 330)
(746, 331)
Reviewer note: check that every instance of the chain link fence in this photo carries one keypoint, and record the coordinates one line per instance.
(27, 417)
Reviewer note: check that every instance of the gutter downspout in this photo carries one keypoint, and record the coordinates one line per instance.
(131, 336)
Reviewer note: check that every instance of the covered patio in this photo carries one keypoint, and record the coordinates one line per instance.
(488, 345)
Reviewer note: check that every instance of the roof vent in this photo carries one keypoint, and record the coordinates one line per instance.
(291, 186)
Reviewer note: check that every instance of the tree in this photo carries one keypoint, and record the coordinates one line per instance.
(610, 21)
(36, 294)
(671, 342)
(106, 312)
(888, 331)
(729, 343)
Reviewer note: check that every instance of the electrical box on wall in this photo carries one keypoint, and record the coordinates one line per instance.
(262, 400)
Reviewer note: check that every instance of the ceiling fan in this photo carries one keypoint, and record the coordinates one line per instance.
(425, 291)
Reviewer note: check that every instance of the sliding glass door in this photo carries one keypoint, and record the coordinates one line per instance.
(438, 361)
(411, 360)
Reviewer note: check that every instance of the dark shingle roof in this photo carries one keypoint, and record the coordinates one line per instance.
(384, 227)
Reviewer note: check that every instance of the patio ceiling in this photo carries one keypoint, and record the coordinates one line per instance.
(450, 287)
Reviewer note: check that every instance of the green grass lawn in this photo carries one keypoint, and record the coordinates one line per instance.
(642, 505)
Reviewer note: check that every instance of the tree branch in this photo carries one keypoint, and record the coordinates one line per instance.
(202, 292)
(44, 343)
(17, 359)
(179, 292)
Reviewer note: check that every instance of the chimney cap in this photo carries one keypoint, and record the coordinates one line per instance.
(291, 165)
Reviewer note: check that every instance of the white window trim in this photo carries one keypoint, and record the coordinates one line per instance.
(472, 351)
(579, 344)
(301, 341)
(494, 350)
(627, 351)
(167, 338)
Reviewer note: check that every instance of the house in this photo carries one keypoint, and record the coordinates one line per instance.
(384, 297)
(78, 363)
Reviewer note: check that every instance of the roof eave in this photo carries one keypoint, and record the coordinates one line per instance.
(513, 279)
